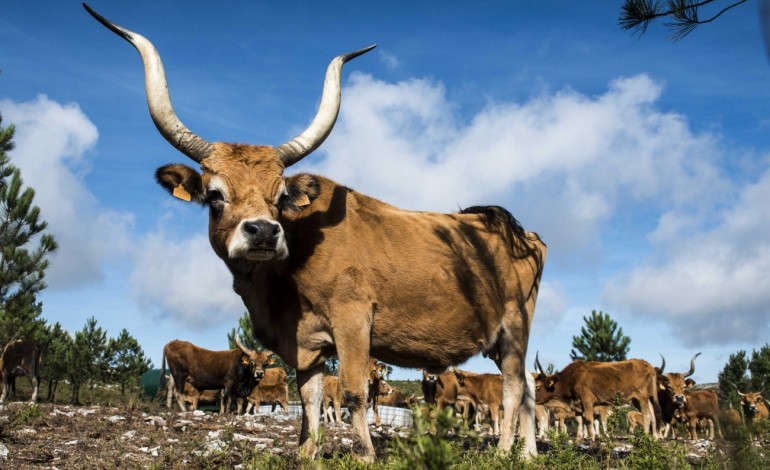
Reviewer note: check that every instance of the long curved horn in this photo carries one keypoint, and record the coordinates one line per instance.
(240, 345)
(736, 389)
(663, 364)
(692, 366)
(158, 100)
(537, 363)
(296, 149)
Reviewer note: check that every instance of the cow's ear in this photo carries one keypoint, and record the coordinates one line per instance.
(689, 383)
(271, 359)
(182, 182)
(301, 190)
(550, 384)
(244, 360)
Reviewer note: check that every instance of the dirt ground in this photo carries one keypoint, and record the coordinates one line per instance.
(148, 436)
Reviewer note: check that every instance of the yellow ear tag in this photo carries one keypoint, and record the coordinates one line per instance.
(182, 193)
(302, 200)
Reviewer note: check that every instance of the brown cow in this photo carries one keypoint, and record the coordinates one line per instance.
(377, 387)
(333, 393)
(701, 405)
(231, 370)
(671, 392)
(440, 389)
(272, 389)
(753, 404)
(483, 390)
(193, 396)
(396, 399)
(326, 270)
(597, 383)
(20, 357)
(635, 420)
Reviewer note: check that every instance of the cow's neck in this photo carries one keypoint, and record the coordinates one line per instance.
(280, 319)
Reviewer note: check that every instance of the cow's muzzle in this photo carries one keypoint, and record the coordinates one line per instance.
(263, 238)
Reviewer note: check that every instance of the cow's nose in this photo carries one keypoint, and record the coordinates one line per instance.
(679, 398)
(261, 231)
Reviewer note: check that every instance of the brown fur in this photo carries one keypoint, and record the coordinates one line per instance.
(271, 390)
(230, 370)
(754, 407)
(595, 383)
(20, 357)
(440, 389)
(483, 389)
(702, 404)
(193, 397)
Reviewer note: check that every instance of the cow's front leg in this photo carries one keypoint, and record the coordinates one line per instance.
(310, 384)
(354, 361)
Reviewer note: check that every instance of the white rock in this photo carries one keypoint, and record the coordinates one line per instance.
(129, 434)
(3, 451)
(116, 418)
(86, 412)
(71, 443)
(57, 412)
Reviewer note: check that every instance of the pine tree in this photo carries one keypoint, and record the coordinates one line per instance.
(760, 369)
(734, 374)
(55, 365)
(86, 361)
(21, 270)
(601, 340)
(126, 360)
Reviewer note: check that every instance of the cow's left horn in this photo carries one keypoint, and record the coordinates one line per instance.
(158, 100)
(692, 366)
(296, 149)
(240, 345)
(537, 363)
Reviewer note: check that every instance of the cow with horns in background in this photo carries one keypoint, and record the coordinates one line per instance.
(671, 393)
(20, 357)
(754, 405)
(325, 270)
(232, 370)
(589, 384)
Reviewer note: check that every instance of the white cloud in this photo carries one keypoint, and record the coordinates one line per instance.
(563, 162)
(185, 280)
(52, 142)
(710, 280)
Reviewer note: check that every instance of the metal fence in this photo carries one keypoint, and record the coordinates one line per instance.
(389, 416)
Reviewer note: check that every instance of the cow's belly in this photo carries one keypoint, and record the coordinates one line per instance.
(430, 339)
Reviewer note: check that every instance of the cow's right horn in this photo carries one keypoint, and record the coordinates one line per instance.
(663, 364)
(240, 345)
(537, 363)
(692, 366)
(736, 389)
(296, 149)
(158, 100)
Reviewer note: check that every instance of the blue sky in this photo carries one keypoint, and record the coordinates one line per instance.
(644, 164)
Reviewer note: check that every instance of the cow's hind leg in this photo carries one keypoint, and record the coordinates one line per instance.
(310, 384)
(511, 365)
(35, 382)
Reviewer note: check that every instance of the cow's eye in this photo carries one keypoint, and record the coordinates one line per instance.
(216, 202)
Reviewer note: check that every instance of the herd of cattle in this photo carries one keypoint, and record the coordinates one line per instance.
(583, 392)
(241, 380)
